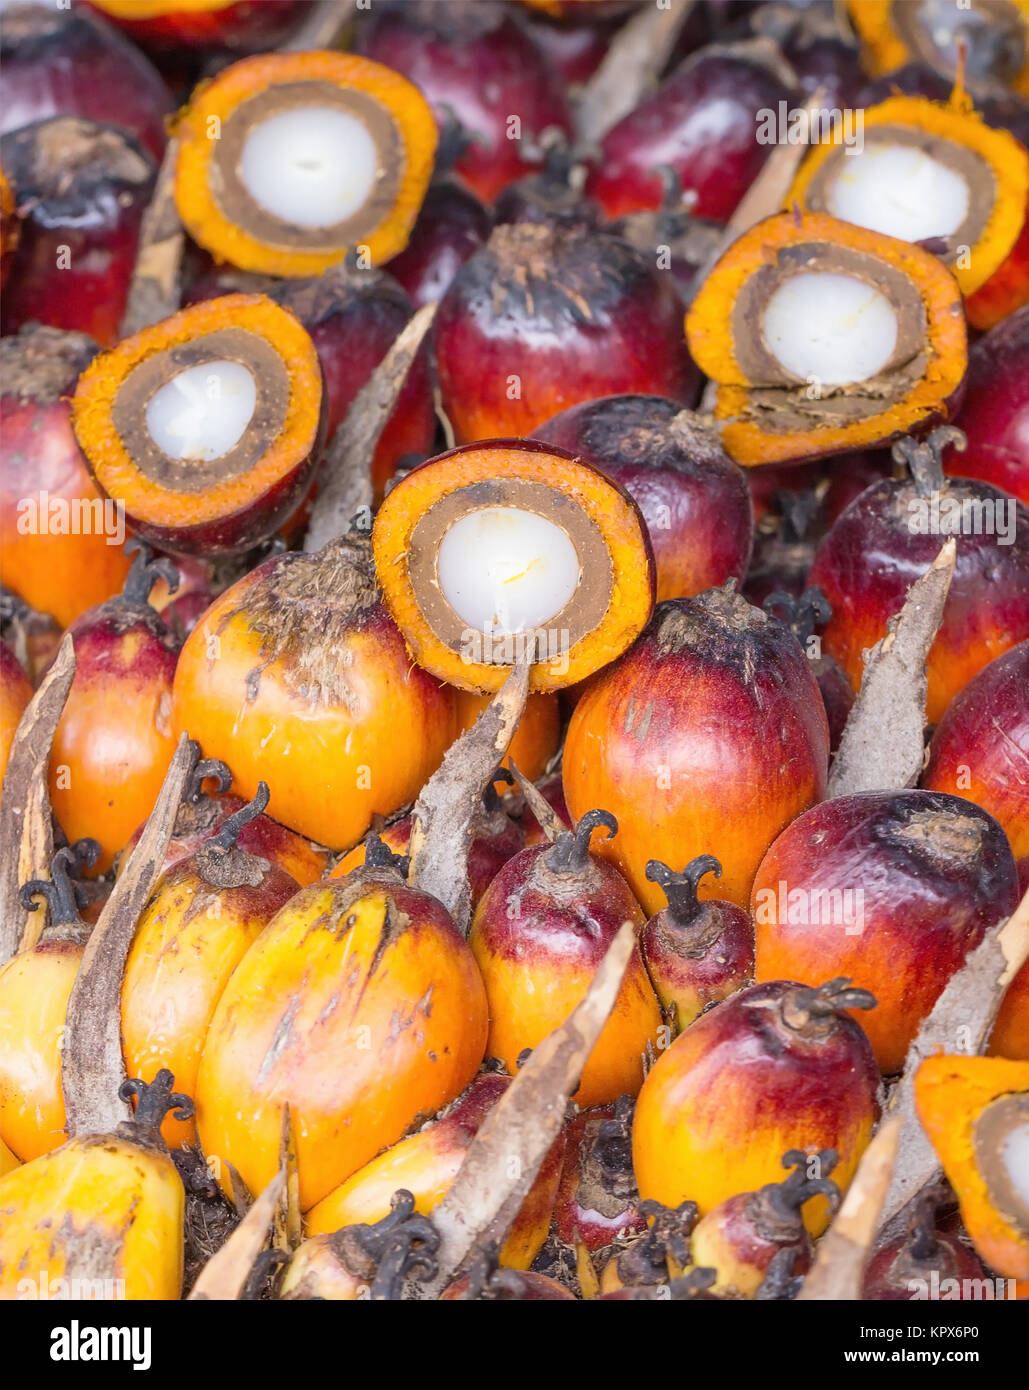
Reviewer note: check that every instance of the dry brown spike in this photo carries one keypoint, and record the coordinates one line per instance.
(346, 472)
(884, 739)
(443, 814)
(961, 1021)
(504, 1158)
(843, 1252)
(26, 832)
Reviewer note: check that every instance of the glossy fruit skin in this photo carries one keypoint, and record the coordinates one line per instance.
(426, 1163)
(15, 693)
(871, 556)
(497, 838)
(370, 746)
(1010, 1036)
(54, 571)
(482, 66)
(729, 1240)
(372, 972)
(34, 989)
(585, 1208)
(453, 224)
(895, 1275)
(694, 499)
(243, 27)
(539, 938)
(189, 939)
(980, 749)
(131, 1198)
(575, 48)
(114, 740)
(79, 230)
(690, 970)
(73, 63)
(701, 740)
(703, 121)
(934, 872)
(995, 414)
(544, 318)
(735, 1091)
(264, 837)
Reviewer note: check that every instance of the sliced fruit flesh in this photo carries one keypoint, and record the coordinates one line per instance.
(989, 30)
(1015, 1157)
(830, 327)
(314, 166)
(506, 570)
(899, 190)
(203, 411)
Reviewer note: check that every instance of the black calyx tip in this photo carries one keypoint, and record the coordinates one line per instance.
(155, 1099)
(570, 851)
(681, 888)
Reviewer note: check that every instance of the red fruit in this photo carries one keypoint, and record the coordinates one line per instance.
(891, 888)
(649, 1260)
(82, 190)
(58, 550)
(980, 749)
(201, 816)
(539, 935)
(597, 1199)
(742, 1235)
(478, 64)
(452, 225)
(694, 499)
(892, 533)
(696, 953)
(1010, 1036)
(708, 737)
(496, 839)
(70, 62)
(15, 693)
(995, 415)
(425, 1164)
(703, 122)
(926, 1263)
(577, 48)
(776, 1067)
(849, 474)
(353, 318)
(114, 740)
(802, 616)
(543, 318)
(241, 26)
